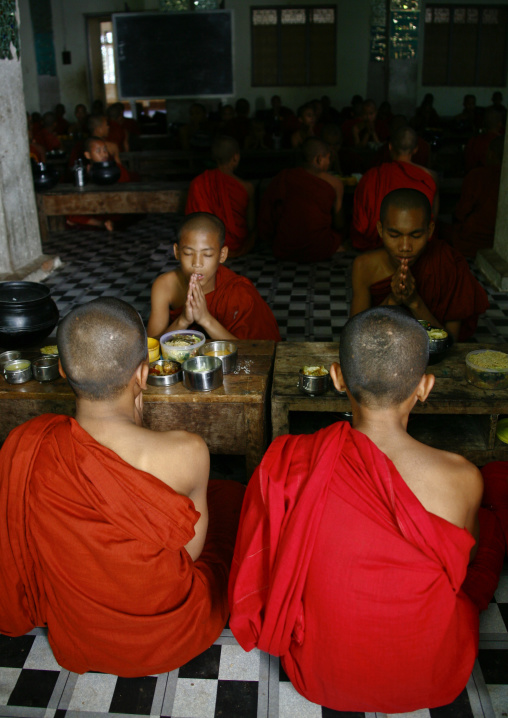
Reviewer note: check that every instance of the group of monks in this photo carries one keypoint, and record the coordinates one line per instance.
(358, 555)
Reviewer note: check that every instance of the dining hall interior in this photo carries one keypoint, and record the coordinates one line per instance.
(397, 53)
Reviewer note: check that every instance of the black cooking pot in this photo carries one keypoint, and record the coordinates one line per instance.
(105, 172)
(45, 177)
(27, 314)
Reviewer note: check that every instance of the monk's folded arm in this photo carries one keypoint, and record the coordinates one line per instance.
(360, 282)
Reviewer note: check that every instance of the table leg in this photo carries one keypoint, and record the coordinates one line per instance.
(255, 429)
(280, 418)
(43, 220)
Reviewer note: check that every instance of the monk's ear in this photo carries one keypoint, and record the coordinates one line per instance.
(224, 251)
(61, 370)
(88, 156)
(379, 226)
(425, 387)
(432, 226)
(176, 251)
(141, 374)
(337, 378)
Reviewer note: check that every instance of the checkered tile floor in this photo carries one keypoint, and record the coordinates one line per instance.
(223, 681)
(310, 303)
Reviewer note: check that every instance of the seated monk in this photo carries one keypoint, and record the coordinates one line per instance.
(46, 135)
(351, 560)
(477, 148)
(378, 181)
(112, 535)
(96, 150)
(420, 157)
(429, 278)
(307, 122)
(365, 132)
(203, 293)
(301, 210)
(476, 210)
(222, 193)
(98, 127)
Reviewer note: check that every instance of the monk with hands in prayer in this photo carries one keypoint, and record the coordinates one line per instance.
(413, 270)
(202, 292)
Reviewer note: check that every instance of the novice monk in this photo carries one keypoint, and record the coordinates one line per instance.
(300, 211)
(354, 543)
(222, 193)
(428, 277)
(307, 122)
(112, 536)
(96, 150)
(378, 181)
(203, 292)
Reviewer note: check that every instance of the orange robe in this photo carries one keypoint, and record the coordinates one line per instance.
(224, 196)
(446, 285)
(476, 210)
(373, 188)
(341, 571)
(238, 306)
(94, 550)
(296, 215)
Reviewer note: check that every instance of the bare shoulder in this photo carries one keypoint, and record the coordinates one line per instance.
(334, 181)
(249, 187)
(369, 264)
(167, 283)
(428, 171)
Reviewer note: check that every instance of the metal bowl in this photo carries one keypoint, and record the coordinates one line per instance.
(18, 372)
(313, 385)
(182, 352)
(226, 351)
(165, 379)
(202, 373)
(7, 357)
(46, 368)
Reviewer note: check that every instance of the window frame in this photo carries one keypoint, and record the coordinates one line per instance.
(308, 24)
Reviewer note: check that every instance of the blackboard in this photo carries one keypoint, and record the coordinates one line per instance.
(179, 54)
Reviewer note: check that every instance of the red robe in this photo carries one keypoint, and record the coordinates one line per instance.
(446, 285)
(94, 550)
(476, 210)
(238, 306)
(340, 570)
(475, 154)
(296, 215)
(224, 196)
(373, 188)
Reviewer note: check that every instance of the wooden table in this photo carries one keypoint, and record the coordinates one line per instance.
(457, 416)
(231, 419)
(128, 198)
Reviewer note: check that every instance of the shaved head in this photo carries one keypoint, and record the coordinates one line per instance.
(404, 140)
(383, 355)
(405, 199)
(203, 222)
(312, 148)
(101, 344)
(224, 148)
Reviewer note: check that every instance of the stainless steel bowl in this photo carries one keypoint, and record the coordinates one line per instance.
(313, 385)
(202, 373)
(45, 369)
(18, 373)
(228, 360)
(165, 379)
(7, 357)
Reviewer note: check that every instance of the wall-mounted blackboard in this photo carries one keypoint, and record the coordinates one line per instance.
(180, 54)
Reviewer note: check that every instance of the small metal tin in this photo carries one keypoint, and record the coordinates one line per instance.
(46, 368)
(165, 379)
(207, 380)
(19, 372)
(228, 360)
(313, 385)
(7, 357)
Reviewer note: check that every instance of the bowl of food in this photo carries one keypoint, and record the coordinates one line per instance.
(313, 380)
(181, 345)
(154, 350)
(202, 373)
(50, 350)
(7, 357)
(487, 369)
(439, 341)
(164, 372)
(18, 371)
(45, 368)
(226, 351)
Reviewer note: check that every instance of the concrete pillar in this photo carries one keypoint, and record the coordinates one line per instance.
(494, 262)
(20, 244)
